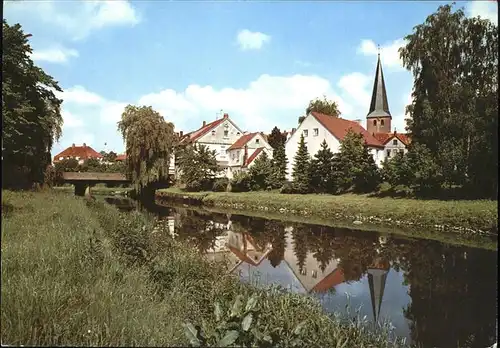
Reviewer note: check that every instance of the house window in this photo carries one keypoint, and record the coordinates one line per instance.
(315, 132)
(257, 141)
(388, 153)
(226, 133)
(305, 132)
(315, 274)
(374, 122)
(238, 134)
(213, 133)
(402, 151)
(303, 271)
(381, 122)
(394, 142)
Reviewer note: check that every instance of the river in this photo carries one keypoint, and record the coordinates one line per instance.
(434, 294)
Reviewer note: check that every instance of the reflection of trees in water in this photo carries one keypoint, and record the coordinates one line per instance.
(198, 229)
(320, 243)
(300, 234)
(453, 294)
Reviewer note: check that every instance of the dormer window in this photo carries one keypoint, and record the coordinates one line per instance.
(213, 133)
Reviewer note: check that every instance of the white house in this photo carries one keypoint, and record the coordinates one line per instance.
(393, 143)
(317, 127)
(218, 135)
(245, 150)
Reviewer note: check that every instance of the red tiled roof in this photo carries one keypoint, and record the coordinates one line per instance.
(339, 128)
(121, 157)
(192, 136)
(83, 152)
(241, 142)
(253, 156)
(331, 280)
(386, 137)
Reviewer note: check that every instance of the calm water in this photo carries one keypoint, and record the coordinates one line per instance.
(436, 295)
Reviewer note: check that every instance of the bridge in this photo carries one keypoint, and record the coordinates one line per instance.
(84, 181)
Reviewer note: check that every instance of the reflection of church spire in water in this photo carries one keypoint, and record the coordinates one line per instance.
(377, 276)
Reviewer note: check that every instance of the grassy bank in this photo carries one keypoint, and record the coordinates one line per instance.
(472, 217)
(77, 273)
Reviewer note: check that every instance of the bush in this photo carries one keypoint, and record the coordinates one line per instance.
(241, 182)
(220, 185)
(287, 188)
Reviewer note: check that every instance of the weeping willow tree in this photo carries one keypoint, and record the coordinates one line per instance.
(149, 145)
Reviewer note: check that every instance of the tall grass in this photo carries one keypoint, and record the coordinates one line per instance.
(77, 273)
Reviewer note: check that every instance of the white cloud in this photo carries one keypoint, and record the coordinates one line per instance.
(388, 52)
(483, 9)
(70, 121)
(79, 95)
(356, 85)
(54, 55)
(248, 40)
(76, 19)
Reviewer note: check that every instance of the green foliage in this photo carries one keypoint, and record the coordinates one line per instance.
(108, 156)
(31, 116)
(67, 165)
(369, 179)
(220, 185)
(287, 188)
(149, 145)
(323, 106)
(276, 138)
(301, 168)
(454, 112)
(357, 170)
(261, 173)
(322, 170)
(241, 182)
(278, 166)
(198, 167)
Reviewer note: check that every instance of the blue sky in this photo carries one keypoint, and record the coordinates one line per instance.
(261, 62)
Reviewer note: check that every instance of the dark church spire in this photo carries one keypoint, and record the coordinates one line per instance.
(379, 107)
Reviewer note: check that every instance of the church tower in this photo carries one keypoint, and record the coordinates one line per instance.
(379, 117)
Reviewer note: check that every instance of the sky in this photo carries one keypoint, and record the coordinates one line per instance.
(259, 61)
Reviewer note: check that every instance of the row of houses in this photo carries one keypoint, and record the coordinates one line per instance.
(236, 150)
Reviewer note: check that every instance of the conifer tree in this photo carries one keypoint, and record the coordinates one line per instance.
(261, 172)
(322, 170)
(369, 178)
(279, 162)
(301, 168)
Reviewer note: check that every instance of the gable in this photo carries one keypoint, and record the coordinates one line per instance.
(218, 130)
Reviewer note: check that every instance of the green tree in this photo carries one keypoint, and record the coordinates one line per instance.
(66, 165)
(276, 138)
(261, 172)
(108, 156)
(369, 179)
(454, 112)
(323, 106)
(31, 113)
(279, 162)
(350, 159)
(301, 168)
(322, 179)
(357, 169)
(149, 146)
(199, 167)
(397, 171)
